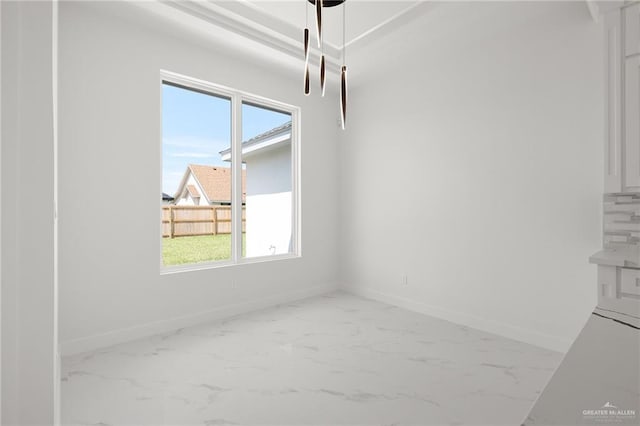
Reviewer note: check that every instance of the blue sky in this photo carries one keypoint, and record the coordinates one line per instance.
(197, 126)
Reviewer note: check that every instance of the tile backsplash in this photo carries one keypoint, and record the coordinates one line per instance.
(621, 220)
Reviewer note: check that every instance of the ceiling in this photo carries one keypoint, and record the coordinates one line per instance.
(362, 16)
(272, 30)
(263, 27)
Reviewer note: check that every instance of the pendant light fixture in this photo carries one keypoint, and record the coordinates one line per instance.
(318, 21)
(343, 72)
(322, 73)
(320, 44)
(306, 53)
(319, 5)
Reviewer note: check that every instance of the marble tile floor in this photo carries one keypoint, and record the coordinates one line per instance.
(331, 360)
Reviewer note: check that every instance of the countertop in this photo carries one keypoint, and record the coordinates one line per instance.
(627, 257)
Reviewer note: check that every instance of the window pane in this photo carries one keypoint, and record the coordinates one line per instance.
(266, 157)
(196, 176)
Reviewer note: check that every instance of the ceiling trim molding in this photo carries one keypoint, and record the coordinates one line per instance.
(598, 8)
(222, 17)
(248, 20)
(249, 14)
(224, 21)
(594, 10)
(395, 21)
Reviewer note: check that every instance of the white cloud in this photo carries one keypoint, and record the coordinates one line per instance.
(193, 142)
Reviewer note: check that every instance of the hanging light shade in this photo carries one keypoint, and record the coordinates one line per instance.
(343, 97)
(306, 62)
(343, 72)
(306, 51)
(319, 21)
(322, 75)
(319, 5)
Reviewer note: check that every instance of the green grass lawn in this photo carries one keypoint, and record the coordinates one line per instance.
(203, 248)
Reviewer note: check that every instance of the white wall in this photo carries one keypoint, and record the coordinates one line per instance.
(474, 165)
(29, 314)
(110, 282)
(269, 219)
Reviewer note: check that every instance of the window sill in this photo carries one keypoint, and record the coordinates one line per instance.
(168, 270)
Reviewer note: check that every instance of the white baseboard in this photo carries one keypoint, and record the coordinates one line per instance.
(554, 343)
(115, 337)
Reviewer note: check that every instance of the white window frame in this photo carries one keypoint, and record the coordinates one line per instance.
(237, 98)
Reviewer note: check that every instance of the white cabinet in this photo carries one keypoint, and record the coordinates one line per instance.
(613, 113)
(632, 29)
(607, 283)
(630, 282)
(632, 123)
(618, 289)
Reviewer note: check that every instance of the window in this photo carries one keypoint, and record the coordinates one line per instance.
(229, 176)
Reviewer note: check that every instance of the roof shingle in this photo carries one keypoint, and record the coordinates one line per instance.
(193, 191)
(216, 182)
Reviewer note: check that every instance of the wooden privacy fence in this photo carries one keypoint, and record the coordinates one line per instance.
(183, 221)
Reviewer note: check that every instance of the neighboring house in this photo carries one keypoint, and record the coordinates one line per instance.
(167, 199)
(268, 188)
(204, 185)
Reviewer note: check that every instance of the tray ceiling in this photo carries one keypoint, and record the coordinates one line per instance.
(363, 17)
(261, 28)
